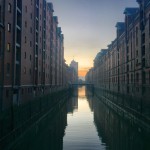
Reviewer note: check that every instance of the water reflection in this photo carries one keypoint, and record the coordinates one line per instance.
(83, 122)
(81, 133)
(117, 132)
(72, 103)
(47, 134)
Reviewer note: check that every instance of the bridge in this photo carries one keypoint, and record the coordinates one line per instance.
(82, 84)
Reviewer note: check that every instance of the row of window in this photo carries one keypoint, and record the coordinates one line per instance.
(129, 79)
(25, 56)
(23, 91)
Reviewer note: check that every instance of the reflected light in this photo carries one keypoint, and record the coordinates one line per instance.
(81, 91)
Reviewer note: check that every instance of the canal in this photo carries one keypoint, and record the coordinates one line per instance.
(83, 122)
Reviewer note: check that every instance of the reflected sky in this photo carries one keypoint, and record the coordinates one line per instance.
(81, 133)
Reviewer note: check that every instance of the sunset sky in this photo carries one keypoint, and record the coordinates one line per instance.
(88, 26)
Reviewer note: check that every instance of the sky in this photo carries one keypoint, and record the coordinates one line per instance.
(88, 26)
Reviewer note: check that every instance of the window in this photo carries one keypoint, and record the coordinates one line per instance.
(9, 27)
(128, 90)
(0, 41)
(127, 67)
(7, 93)
(9, 7)
(30, 43)
(127, 49)
(26, 24)
(24, 70)
(127, 58)
(149, 25)
(22, 91)
(149, 76)
(25, 39)
(26, 9)
(30, 29)
(25, 55)
(8, 69)
(30, 72)
(131, 78)
(143, 77)
(143, 62)
(128, 78)
(143, 50)
(131, 35)
(137, 77)
(137, 53)
(136, 36)
(30, 57)
(8, 47)
(137, 62)
(31, 15)
(0, 13)
(143, 38)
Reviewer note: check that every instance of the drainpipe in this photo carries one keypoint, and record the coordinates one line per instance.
(13, 63)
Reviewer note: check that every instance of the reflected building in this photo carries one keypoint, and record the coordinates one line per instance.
(116, 132)
(89, 95)
(47, 134)
(72, 104)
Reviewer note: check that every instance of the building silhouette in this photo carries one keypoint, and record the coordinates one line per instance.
(74, 66)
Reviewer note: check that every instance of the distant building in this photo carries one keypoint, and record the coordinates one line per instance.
(74, 65)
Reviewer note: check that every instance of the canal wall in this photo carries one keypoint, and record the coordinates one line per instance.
(16, 120)
(129, 107)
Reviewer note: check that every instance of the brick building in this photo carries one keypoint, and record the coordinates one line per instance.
(124, 68)
(31, 51)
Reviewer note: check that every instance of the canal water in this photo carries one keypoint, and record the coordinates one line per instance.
(83, 122)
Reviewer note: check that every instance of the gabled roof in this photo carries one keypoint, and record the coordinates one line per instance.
(50, 6)
(120, 25)
(100, 54)
(131, 11)
(55, 18)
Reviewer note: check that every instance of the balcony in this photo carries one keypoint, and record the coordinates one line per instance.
(18, 55)
(143, 50)
(17, 77)
(143, 62)
(143, 38)
(18, 40)
(18, 19)
(19, 4)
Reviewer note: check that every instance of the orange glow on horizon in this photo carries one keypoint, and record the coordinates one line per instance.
(82, 71)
